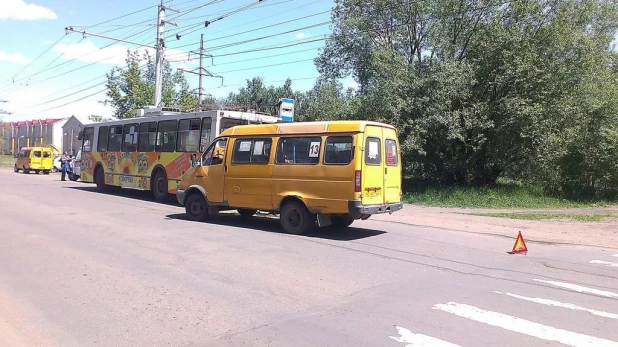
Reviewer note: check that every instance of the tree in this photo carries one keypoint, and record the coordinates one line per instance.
(98, 118)
(260, 97)
(480, 89)
(131, 88)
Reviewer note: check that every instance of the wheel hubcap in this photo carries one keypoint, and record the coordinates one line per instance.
(196, 208)
(160, 188)
(293, 218)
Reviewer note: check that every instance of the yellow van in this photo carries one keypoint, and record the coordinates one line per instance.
(37, 159)
(331, 173)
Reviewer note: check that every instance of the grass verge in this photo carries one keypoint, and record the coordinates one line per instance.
(594, 217)
(7, 161)
(501, 196)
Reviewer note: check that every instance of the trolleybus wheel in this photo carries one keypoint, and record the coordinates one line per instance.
(159, 187)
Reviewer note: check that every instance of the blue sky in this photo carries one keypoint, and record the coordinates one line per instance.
(34, 45)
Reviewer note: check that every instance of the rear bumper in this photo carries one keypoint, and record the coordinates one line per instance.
(357, 207)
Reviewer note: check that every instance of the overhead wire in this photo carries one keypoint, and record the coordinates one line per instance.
(67, 62)
(228, 14)
(264, 27)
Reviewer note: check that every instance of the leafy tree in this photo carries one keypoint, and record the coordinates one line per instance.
(482, 89)
(131, 88)
(259, 97)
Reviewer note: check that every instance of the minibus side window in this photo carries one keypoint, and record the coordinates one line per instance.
(338, 150)
(36, 154)
(251, 151)
(299, 150)
(46, 154)
(392, 158)
(373, 154)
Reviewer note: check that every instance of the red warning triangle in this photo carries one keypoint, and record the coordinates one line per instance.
(520, 245)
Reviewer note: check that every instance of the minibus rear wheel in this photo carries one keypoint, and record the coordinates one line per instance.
(295, 218)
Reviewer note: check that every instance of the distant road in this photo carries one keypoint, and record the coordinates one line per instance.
(79, 268)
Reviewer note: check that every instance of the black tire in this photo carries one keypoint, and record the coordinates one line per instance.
(45, 172)
(246, 212)
(73, 177)
(25, 171)
(37, 171)
(196, 207)
(16, 169)
(159, 187)
(99, 179)
(341, 221)
(295, 218)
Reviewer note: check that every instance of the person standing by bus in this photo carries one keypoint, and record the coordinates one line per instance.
(64, 161)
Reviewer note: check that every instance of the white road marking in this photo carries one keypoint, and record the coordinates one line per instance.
(519, 325)
(603, 262)
(580, 289)
(414, 340)
(561, 304)
(615, 255)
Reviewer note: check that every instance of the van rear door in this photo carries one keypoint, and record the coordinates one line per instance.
(36, 158)
(372, 173)
(392, 168)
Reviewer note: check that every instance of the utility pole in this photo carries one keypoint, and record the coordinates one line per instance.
(201, 70)
(159, 48)
(159, 57)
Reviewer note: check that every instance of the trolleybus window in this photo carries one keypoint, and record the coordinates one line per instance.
(188, 135)
(102, 142)
(147, 137)
(87, 139)
(166, 136)
(205, 136)
(115, 138)
(129, 143)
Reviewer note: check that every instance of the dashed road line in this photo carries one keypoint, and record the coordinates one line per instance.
(523, 326)
(604, 262)
(580, 289)
(414, 339)
(554, 303)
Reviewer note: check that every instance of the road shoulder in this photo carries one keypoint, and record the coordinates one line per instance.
(602, 234)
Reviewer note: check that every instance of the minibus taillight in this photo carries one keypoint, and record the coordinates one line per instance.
(357, 181)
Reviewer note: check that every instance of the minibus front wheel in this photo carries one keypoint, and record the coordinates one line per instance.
(295, 218)
(196, 207)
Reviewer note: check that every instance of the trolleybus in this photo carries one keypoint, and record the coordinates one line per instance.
(153, 150)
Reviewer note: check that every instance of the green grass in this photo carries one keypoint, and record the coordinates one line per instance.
(594, 217)
(500, 196)
(7, 161)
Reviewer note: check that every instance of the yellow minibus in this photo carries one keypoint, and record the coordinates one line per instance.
(324, 173)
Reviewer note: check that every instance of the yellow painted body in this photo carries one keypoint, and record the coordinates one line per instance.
(324, 186)
(35, 159)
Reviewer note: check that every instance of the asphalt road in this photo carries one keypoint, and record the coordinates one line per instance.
(79, 268)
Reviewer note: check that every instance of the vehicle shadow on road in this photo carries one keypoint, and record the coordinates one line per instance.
(271, 225)
(128, 193)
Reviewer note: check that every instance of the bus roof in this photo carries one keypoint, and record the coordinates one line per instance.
(251, 116)
(303, 127)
